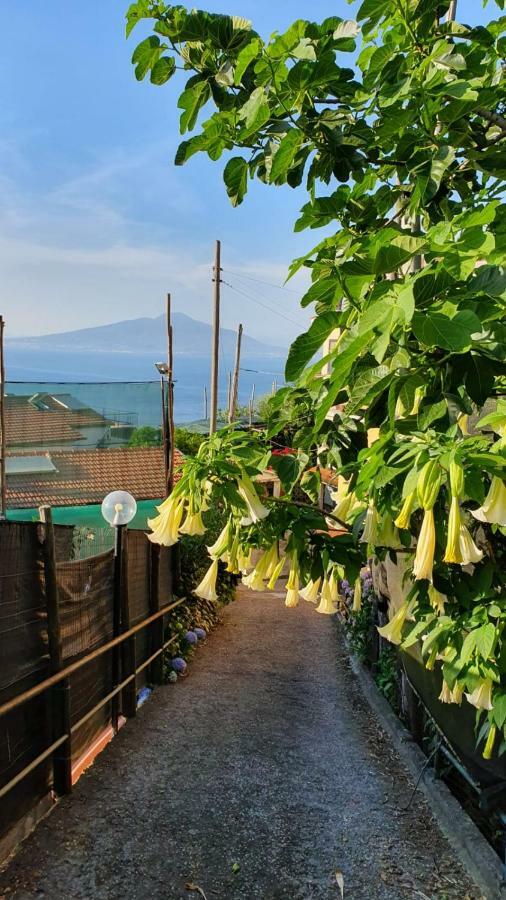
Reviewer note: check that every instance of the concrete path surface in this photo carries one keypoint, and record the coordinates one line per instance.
(260, 775)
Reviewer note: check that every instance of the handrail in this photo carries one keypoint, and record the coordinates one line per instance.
(74, 667)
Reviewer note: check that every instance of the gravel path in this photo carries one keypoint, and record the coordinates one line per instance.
(258, 776)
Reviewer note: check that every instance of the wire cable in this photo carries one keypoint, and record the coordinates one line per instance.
(264, 305)
(279, 287)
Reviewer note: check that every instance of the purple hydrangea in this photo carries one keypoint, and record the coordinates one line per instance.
(201, 633)
(191, 637)
(178, 664)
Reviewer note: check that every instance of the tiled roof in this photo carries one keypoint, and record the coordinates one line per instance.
(86, 476)
(26, 425)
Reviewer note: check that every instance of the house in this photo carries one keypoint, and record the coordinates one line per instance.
(71, 477)
(60, 420)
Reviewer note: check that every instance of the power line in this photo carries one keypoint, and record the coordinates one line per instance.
(279, 287)
(260, 303)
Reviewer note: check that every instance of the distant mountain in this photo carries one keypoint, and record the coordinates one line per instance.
(191, 338)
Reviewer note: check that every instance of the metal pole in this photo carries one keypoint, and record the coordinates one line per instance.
(164, 430)
(3, 485)
(215, 338)
(235, 381)
(205, 404)
(117, 602)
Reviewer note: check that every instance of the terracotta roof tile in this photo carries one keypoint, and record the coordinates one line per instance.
(86, 476)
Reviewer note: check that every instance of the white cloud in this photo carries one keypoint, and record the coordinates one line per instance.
(84, 251)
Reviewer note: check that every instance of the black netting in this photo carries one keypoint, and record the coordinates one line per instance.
(86, 609)
(25, 732)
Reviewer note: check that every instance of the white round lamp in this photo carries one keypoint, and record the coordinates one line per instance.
(119, 508)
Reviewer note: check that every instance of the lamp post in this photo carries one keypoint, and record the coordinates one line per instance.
(165, 388)
(118, 509)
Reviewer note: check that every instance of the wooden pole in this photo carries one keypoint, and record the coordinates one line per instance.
(60, 694)
(215, 338)
(3, 485)
(157, 628)
(170, 399)
(229, 391)
(251, 404)
(164, 430)
(235, 380)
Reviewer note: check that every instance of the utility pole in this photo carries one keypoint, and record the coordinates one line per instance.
(251, 405)
(215, 338)
(3, 486)
(170, 400)
(235, 380)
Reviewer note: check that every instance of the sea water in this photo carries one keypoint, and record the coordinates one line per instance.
(100, 379)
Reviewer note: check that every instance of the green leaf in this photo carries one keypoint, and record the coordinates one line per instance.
(438, 330)
(346, 29)
(393, 255)
(256, 111)
(306, 345)
(191, 101)
(485, 639)
(440, 163)
(373, 9)
(145, 55)
(288, 468)
(285, 155)
(235, 177)
(245, 57)
(162, 70)
(367, 387)
(310, 484)
(499, 712)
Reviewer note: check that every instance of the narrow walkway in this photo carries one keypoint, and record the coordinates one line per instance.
(258, 776)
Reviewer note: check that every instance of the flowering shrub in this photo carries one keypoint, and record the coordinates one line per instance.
(402, 149)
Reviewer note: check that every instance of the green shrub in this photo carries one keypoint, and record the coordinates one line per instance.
(187, 442)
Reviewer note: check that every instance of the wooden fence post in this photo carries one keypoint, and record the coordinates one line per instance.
(60, 693)
(157, 628)
(129, 692)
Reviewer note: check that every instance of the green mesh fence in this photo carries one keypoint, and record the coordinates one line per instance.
(70, 444)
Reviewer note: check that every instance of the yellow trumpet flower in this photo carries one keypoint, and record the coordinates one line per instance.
(469, 552)
(292, 594)
(404, 517)
(481, 697)
(310, 592)
(207, 587)
(446, 694)
(489, 746)
(392, 631)
(437, 600)
(494, 506)
(370, 531)
(221, 543)
(276, 573)
(165, 527)
(193, 525)
(424, 556)
(256, 510)
(452, 552)
(333, 584)
(357, 596)
(326, 605)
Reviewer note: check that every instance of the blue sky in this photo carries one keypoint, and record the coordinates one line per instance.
(95, 221)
